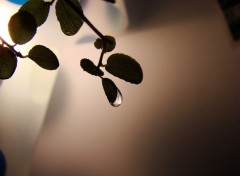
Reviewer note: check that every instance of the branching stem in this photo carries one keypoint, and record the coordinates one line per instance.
(11, 47)
(85, 19)
(102, 53)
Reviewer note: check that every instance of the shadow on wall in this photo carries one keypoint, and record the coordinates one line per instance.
(203, 140)
(154, 13)
(60, 92)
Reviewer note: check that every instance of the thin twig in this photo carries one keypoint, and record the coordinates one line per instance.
(18, 54)
(84, 18)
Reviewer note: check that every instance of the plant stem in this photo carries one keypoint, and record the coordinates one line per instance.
(101, 56)
(18, 54)
(85, 19)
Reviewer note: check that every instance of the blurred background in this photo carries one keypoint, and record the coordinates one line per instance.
(183, 119)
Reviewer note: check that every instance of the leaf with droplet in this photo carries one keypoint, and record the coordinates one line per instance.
(38, 8)
(113, 94)
(88, 66)
(124, 67)
(22, 27)
(8, 62)
(3, 164)
(110, 43)
(68, 18)
(44, 57)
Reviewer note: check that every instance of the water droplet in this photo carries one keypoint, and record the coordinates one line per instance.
(119, 99)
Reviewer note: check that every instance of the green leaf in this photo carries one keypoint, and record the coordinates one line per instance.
(68, 18)
(22, 27)
(88, 66)
(38, 8)
(44, 57)
(113, 94)
(125, 67)
(8, 63)
(110, 43)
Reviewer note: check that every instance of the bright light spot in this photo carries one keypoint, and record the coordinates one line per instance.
(6, 11)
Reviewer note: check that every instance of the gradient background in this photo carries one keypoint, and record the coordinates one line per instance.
(183, 120)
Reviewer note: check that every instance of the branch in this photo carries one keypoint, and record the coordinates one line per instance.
(11, 47)
(85, 19)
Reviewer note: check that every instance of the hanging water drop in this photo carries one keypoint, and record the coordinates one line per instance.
(113, 94)
(119, 99)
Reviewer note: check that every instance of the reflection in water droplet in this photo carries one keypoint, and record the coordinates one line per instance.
(119, 99)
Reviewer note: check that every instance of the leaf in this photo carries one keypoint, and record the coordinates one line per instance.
(110, 42)
(124, 67)
(88, 66)
(38, 8)
(44, 57)
(3, 164)
(98, 43)
(22, 27)
(8, 63)
(68, 18)
(113, 94)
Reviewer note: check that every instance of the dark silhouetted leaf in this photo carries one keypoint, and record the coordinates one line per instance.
(22, 27)
(113, 94)
(44, 57)
(125, 67)
(38, 8)
(88, 66)
(8, 63)
(3, 164)
(98, 43)
(69, 20)
(111, 43)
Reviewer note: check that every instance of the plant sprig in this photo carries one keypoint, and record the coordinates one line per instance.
(23, 26)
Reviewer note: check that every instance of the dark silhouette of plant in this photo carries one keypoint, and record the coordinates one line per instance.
(23, 26)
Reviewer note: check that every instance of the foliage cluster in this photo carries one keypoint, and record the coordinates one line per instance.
(23, 27)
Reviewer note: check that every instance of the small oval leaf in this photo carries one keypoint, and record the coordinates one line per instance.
(44, 57)
(111, 43)
(38, 8)
(3, 164)
(22, 27)
(98, 43)
(124, 67)
(88, 66)
(68, 18)
(113, 94)
(8, 63)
